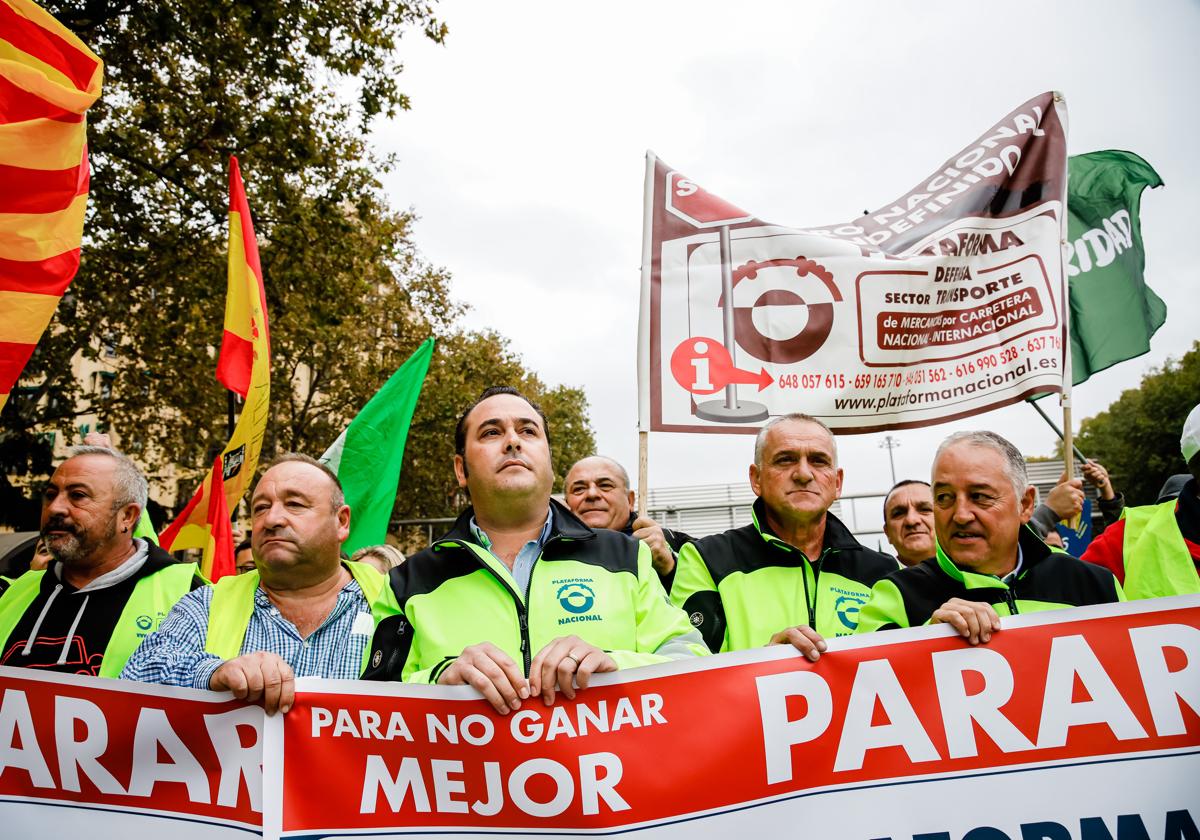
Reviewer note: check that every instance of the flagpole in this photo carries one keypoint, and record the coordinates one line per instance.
(1068, 433)
(644, 422)
(1062, 436)
(643, 471)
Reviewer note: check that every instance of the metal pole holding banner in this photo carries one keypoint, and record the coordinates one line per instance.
(727, 311)
(730, 410)
(643, 472)
(1067, 434)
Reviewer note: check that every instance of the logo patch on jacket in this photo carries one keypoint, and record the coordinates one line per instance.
(847, 606)
(576, 597)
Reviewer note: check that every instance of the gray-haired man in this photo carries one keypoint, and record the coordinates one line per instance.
(105, 590)
(989, 563)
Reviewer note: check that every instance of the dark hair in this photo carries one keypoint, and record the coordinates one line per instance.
(902, 483)
(460, 431)
(242, 546)
(337, 497)
(1194, 466)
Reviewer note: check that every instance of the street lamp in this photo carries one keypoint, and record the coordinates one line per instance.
(889, 443)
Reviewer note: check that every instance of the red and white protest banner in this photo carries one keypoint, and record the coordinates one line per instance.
(1068, 724)
(942, 304)
(100, 759)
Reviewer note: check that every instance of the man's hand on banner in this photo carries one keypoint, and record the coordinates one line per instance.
(651, 533)
(492, 673)
(564, 663)
(975, 621)
(803, 638)
(256, 677)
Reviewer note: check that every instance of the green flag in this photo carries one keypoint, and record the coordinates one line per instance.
(367, 456)
(1113, 311)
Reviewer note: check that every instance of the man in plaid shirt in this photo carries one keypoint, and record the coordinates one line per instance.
(303, 612)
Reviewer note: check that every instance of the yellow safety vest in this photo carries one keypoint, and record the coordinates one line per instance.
(233, 605)
(149, 602)
(1157, 560)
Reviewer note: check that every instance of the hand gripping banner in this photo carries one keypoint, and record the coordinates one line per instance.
(944, 303)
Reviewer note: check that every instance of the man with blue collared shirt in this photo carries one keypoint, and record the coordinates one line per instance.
(989, 562)
(521, 598)
(303, 612)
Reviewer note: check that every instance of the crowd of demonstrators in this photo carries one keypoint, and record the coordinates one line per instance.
(795, 574)
(525, 597)
(521, 598)
(597, 491)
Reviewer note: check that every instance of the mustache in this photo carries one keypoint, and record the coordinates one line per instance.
(280, 533)
(58, 522)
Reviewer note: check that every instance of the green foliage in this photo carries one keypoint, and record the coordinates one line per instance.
(290, 87)
(463, 366)
(1137, 437)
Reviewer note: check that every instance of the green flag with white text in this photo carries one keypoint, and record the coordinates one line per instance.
(1113, 312)
(368, 454)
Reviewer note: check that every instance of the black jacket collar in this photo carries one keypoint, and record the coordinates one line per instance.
(837, 535)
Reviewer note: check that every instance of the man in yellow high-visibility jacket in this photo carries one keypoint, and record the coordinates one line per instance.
(1154, 550)
(302, 612)
(105, 589)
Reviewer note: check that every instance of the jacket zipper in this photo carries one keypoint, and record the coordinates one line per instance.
(522, 607)
(1012, 602)
(523, 617)
(523, 610)
(812, 602)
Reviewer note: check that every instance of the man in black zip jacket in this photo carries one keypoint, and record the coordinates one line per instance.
(989, 562)
(521, 598)
(796, 574)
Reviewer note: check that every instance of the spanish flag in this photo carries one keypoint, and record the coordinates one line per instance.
(244, 366)
(48, 80)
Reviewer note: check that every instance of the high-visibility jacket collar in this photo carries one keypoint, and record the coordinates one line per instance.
(837, 535)
(1033, 551)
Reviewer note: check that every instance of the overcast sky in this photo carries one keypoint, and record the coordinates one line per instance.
(523, 156)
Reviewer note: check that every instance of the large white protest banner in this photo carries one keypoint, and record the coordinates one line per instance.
(1068, 724)
(942, 304)
(101, 759)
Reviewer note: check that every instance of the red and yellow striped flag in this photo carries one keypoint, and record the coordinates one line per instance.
(244, 366)
(48, 80)
(208, 505)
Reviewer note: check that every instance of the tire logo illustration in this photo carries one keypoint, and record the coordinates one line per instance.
(820, 312)
(847, 608)
(576, 598)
